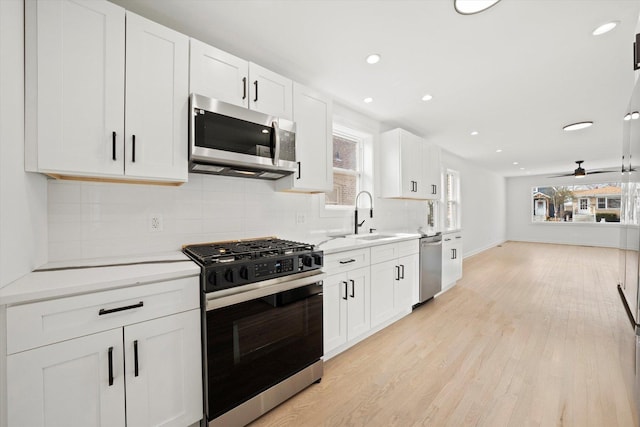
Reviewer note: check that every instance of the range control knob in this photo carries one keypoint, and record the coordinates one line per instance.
(212, 278)
(307, 260)
(244, 272)
(228, 275)
(317, 259)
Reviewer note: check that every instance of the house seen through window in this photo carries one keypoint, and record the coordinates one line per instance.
(347, 168)
(597, 203)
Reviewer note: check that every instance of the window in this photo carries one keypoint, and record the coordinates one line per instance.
(347, 168)
(452, 200)
(577, 203)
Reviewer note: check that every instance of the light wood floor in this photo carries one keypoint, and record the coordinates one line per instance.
(527, 338)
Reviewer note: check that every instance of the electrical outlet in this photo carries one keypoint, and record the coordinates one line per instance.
(155, 222)
(300, 218)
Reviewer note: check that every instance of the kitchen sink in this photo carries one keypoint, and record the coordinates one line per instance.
(373, 236)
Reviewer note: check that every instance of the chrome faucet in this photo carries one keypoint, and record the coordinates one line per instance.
(358, 225)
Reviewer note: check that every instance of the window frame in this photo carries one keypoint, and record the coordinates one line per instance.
(453, 203)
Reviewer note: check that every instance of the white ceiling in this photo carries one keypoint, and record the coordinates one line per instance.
(516, 73)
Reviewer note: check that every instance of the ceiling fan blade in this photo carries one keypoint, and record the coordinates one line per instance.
(602, 171)
(560, 176)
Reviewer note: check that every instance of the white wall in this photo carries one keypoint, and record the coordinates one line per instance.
(483, 205)
(23, 208)
(519, 210)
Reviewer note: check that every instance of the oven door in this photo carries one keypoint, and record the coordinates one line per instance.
(254, 344)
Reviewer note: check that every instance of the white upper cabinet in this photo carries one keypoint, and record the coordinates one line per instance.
(76, 99)
(225, 77)
(408, 168)
(432, 174)
(157, 99)
(75, 87)
(270, 93)
(219, 75)
(312, 112)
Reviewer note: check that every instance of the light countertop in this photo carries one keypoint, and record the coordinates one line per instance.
(342, 244)
(61, 279)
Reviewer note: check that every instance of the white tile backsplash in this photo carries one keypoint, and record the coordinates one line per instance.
(89, 219)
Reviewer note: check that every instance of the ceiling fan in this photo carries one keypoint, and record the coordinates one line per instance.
(581, 172)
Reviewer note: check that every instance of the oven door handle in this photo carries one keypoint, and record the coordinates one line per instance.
(253, 291)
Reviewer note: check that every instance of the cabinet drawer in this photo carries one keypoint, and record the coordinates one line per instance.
(384, 253)
(345, 261)
(408, 247)
(46, 322)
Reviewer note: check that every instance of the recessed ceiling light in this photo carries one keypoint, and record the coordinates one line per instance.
(515, 163)
(373, 58)
(427, 97)
(469, 7)
(521, 169)
(576, 126)
(368, 100)
(474, 133)
(499, 150)
(605, 28)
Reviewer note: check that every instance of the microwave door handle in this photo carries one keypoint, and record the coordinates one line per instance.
(276, 149)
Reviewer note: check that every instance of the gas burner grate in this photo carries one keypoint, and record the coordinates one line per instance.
(243, 250)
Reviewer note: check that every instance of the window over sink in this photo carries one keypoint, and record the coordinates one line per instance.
(348, 161)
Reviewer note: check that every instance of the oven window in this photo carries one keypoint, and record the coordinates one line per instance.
(254, 345)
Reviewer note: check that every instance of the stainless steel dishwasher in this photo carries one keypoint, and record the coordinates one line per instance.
(430, 267)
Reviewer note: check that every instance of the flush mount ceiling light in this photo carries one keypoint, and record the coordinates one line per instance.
(427, 97)
(627, 117)
(605, 28)
(368, 100)
(635, 115)
(577, 126)
(469, 7)
(374, 58)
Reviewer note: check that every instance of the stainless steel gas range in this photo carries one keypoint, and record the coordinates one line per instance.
(261, 324)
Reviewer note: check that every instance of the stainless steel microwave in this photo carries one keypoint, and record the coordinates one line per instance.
(225, 139)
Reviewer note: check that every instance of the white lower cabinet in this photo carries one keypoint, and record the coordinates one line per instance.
(451, 259)
(346, 307)
(147, 371)
(67, 383)
(392, 284)
(366, 290)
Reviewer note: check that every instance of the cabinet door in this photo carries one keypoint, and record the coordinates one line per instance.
(413, 185)
(383, 278)
(408, 284)
(359, 307)
(218, 74)
(335, 296)
(450, 261)
(431, 171)
(75, 87)
(67, 383)
(270, 93)
(164, 371)
(313, 115)
(157, 99)
(457, 266)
